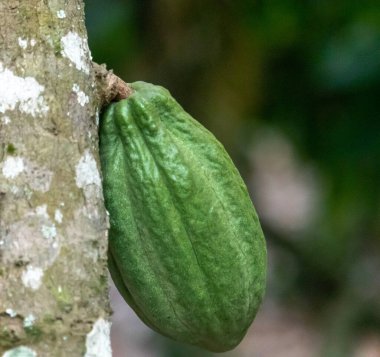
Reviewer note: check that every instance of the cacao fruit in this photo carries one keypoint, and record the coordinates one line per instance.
(186, 250)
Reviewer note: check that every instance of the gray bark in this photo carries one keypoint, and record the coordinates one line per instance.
(53, 277)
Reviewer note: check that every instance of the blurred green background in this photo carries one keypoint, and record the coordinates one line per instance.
(292, 89)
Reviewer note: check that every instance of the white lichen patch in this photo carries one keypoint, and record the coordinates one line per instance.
(42, 211)
(15, 190)
(81, 96)
(5, 120)
(29, 321)
(76, 50)
(49, 232)
(97, 117)
(61, 14)
(58, 216)
(23, 43)
(34, 229)
(32, 277)
(20, 351)
(98, 343)
(37, 178)
(11, 312)
(86, 171)
(22, 93)
(13, 166)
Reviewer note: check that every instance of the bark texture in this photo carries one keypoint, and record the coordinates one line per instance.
(53, 277)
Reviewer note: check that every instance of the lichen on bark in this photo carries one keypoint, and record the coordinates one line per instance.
(53, 277)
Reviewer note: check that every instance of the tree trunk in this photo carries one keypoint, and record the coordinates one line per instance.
(53, 242)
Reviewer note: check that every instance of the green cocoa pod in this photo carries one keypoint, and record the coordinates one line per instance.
(186, 249)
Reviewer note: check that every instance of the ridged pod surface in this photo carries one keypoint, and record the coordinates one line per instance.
(186, 250)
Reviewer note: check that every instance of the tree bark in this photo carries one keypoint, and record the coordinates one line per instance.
(53, 240)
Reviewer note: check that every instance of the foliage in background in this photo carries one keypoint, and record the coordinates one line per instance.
(309, 71)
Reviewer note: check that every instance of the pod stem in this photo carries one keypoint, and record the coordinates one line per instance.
(110, 87)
